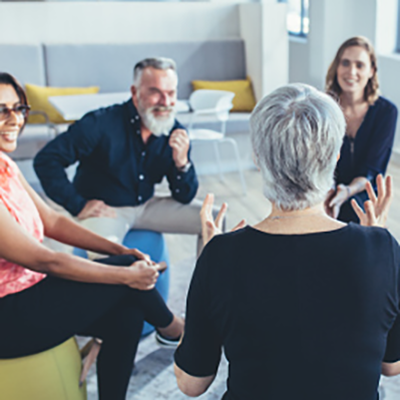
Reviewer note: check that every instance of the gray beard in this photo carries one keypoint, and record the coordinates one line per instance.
(157, 126)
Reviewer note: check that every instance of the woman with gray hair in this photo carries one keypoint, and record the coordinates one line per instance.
(305, 306)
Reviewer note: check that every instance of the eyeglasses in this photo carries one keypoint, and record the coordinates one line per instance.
(5, 112)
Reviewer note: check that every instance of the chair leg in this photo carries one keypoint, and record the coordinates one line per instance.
(217, 156)
(235, 148)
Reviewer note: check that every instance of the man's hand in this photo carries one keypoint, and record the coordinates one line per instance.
(179, 142)
(209, 226)
(376, 208)
(96, 208)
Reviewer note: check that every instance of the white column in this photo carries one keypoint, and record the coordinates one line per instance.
(263, 28)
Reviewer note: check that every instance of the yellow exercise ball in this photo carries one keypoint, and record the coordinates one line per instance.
(50, 375)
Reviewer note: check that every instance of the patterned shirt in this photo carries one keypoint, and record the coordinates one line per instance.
(15, 278)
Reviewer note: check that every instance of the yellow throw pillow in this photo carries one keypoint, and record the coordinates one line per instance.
(244, 97)
(38, 100)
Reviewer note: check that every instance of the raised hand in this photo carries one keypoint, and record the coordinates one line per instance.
(96, 208)
(209, 226)
(179, 142)
(377, 207)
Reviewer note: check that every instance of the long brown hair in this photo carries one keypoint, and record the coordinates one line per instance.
(371, 91)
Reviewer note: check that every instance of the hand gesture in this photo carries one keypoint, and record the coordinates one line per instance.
(376, 208)
(335, 200)
(96, 208)
(209, 226)
(179, 142)
(142, 275)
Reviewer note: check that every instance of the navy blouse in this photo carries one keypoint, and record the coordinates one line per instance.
(368, 154)
(302, 317)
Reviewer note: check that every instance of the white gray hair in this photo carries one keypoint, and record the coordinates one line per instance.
(296, 134)
(161, 63)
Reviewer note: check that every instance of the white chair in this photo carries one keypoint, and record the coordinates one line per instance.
(215, 103)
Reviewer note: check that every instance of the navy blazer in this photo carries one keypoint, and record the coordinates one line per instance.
(114, 164)
(368, 154)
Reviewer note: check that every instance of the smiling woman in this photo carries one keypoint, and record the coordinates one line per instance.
(13, 112)
(112, 297)
(352, 78)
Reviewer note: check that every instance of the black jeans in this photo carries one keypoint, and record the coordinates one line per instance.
(55, 309)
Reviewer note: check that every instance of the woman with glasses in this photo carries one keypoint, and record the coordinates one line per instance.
(352, 78)
(304, 307)
(45, 296)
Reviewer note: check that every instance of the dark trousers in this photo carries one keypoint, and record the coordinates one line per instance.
(55, 309)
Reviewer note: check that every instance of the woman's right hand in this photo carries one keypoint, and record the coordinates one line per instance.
(142, 275)
(211, 227)
(377, 207)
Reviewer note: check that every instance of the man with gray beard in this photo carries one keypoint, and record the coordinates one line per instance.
(123, 151)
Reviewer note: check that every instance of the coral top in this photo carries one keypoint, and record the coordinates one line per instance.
(15, 278)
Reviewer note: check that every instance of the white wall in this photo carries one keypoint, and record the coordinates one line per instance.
(110, 22)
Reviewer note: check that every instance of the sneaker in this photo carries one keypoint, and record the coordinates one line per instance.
(171, 343)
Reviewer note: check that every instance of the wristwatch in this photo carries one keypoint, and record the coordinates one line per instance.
(185, 168)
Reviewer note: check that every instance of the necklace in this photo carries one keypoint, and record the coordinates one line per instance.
(277, 217)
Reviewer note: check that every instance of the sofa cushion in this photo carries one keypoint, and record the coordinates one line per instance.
(110, 66)
(24, 61)
(38, 98)
(244, 97)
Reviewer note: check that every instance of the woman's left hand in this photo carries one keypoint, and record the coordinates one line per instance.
(336, 200)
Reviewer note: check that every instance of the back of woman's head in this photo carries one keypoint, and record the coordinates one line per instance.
(371, 91)
(296, 134)
(8, 79)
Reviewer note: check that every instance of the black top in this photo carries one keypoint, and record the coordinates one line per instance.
(368, 154)
(302, 317)
(114, 164)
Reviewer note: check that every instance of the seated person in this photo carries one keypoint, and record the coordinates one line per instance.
(45, 296)
(123, 151)
(370, 125)
(305, 307)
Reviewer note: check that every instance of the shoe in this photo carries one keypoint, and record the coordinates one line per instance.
(171, 343)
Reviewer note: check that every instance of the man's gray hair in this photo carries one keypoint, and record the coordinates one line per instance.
(162, 63)
(296, 134)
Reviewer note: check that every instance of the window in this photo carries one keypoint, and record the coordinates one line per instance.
(297, 17)
(398, 28)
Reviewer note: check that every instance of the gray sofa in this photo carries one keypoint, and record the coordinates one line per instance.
(110, 66)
